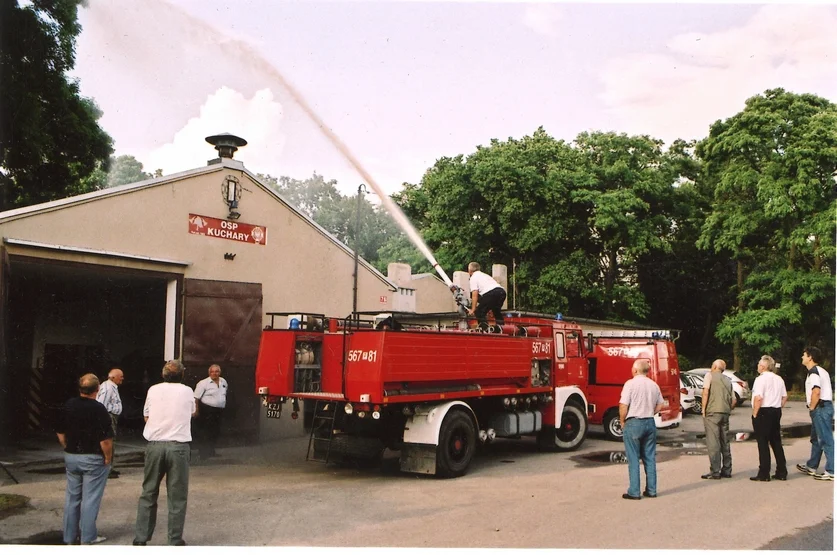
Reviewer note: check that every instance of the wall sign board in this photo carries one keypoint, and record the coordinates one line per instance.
(225, 229)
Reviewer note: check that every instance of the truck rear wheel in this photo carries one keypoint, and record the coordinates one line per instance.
(457, 444)
(569, 434)
(612, 427)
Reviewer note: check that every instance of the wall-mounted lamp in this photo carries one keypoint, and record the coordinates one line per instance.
(231, 190)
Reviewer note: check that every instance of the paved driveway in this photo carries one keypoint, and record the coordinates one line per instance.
(513, 497)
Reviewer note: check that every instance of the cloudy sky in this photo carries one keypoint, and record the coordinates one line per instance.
(404, 83)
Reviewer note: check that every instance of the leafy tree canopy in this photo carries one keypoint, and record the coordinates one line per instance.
(771, 168)
(50, 141)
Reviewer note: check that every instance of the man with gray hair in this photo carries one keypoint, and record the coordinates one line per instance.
(641, 399)
(109, 396)
(769, 397)
(717, 403)
(168, 411)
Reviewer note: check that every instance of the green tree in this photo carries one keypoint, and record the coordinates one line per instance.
(687, 288)
(572, 219)
(322, 202)
(50, 141)
(771, 167)
(125, 169)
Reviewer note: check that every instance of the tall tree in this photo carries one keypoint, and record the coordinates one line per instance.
(772, 169)
(125, 169)
(322, 202)
(50, 141)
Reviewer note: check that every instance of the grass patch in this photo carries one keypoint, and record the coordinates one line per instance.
(10, 502)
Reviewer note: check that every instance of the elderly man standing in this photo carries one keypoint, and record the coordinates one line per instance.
(769, 397)
(820, 396)
(641, 399)
(169, 408)
(85, 433)
(717, 403)
(109, 396)
(211, 395)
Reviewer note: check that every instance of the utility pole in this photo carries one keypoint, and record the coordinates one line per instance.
(360, 189)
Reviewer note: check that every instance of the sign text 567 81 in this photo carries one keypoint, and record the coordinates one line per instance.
(356, 355)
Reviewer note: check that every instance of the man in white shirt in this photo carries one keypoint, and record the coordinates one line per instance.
(109, 396)
(769, 398)
(820, 398)
(211, 396)
(641, 399)
(168, 411)
(486, 295)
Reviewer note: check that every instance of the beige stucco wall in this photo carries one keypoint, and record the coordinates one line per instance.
(432, 295)
(300, 268)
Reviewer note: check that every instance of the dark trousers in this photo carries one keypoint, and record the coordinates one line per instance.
(769, 436)
(209, 424)
(493, 301)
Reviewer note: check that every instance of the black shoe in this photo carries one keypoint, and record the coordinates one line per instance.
(179, 543)
(711, 476)
(136, 542)
(781, 477)
(726, 475)
(760, 478)
(626, 496)
(113, 474)
(646, 494)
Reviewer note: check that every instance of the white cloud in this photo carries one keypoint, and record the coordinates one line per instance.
(705, 77)
(257, 119)
(543, 19)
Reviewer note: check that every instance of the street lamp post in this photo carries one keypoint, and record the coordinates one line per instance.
(360, 189)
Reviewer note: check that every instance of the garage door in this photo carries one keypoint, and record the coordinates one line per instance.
(222, 325)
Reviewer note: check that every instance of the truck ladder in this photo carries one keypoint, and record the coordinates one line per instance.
(324, 414)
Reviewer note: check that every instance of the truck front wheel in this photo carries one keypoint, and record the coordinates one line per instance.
(569, 434)
(457, 444)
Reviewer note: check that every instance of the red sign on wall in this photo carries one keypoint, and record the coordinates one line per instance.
(225, 229)
(383, 299)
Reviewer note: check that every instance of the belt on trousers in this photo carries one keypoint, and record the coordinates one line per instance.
(170, 442)
(639, 418)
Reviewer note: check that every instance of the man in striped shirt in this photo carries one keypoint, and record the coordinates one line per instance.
(109, 396)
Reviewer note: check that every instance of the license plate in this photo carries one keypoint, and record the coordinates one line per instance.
(274, 410)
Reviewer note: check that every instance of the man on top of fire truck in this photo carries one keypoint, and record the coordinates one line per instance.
(486, 294)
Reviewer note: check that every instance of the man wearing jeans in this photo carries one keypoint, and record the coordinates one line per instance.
(641, 399)
(169, 408)
(85, 433)
(820, 398)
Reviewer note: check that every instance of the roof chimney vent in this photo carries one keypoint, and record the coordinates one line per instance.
(226, 144)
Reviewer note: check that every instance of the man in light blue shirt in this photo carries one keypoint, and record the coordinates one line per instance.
(109, 396)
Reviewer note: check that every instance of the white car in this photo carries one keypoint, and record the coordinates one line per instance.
(739, 386)
(694, 388)
(687, 396)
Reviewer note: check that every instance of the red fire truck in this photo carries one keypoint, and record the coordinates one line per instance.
(435, 389)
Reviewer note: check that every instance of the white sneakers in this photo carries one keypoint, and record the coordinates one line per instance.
(806, 470)
(825, 476)
(99, 539)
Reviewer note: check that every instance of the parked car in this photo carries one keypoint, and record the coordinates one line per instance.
(739, 386)
(694, 387)
(687, 395)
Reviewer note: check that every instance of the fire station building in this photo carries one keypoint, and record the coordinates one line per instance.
(182, 266)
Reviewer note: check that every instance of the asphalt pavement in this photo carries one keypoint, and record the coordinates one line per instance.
(512, 497)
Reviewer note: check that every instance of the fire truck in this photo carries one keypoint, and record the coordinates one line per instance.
(436, 389)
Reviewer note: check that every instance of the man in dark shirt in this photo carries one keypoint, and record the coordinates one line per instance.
(84, 431)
